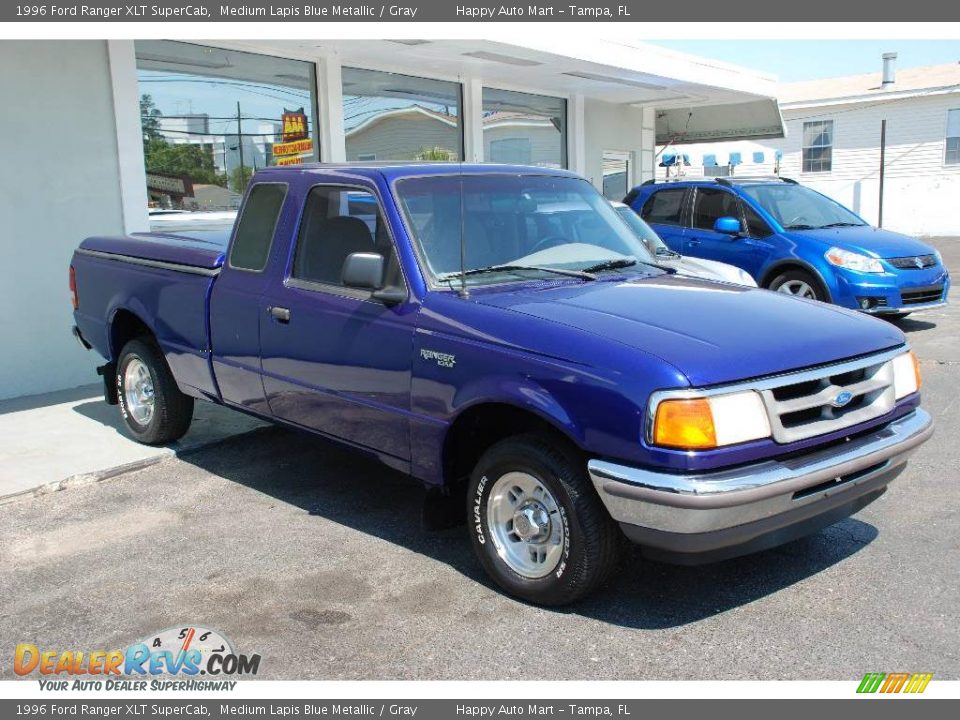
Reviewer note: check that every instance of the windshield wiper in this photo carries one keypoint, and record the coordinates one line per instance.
(841, 224)
(666, 252)
(453, 275)
(801, 226)
(616, 264)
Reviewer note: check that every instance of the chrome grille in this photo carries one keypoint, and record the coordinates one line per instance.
(914, 262)
(808, 406)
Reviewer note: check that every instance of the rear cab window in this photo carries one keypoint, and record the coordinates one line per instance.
(255, 230)
(664, 207)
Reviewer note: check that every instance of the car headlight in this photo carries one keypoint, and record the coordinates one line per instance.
(906, 374)
(700, 423)
(938, 256)
(853, 261)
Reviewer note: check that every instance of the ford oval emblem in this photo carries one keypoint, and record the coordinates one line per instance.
(841, 399)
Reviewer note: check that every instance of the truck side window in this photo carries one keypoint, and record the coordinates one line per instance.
(251, 245)
(710, 205)
(664, 207)
(337, 222)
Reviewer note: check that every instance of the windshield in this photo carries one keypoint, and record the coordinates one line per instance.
(799, 208)
(517, 220)
(643, 231)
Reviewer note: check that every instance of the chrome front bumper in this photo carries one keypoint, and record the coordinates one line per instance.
(906, 309)
(724, 507)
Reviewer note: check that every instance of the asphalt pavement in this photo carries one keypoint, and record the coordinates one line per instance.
(314, 558)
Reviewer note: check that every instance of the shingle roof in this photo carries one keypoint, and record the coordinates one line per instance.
(855, 86)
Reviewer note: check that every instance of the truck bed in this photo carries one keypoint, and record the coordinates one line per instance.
(201, 249)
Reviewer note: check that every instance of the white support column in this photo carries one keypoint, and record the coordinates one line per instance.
(576, 136)
(648, 149)
(126, 115)
(333, 146)
(473, 120)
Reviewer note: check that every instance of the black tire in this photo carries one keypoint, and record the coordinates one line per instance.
(172, 410)
(593, 543)
(799, 276)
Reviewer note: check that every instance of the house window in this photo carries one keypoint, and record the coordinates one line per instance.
(399, 117)
(818, 146)
(524, 129)
(952, 155)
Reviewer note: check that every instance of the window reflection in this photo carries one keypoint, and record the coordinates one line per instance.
(524, 129)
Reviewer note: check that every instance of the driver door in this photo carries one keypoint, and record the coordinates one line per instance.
(335, 360)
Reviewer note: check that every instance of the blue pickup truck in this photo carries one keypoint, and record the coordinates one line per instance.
(537, 371)
(794, 240)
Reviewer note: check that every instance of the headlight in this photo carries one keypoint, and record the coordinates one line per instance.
(853, 261)
(700, 423)
(938, 256)
(906, 374)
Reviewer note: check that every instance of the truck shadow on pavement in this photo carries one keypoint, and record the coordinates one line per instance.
(345, 487)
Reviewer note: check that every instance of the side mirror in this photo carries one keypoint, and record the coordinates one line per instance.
(363, 270)
(728, 226)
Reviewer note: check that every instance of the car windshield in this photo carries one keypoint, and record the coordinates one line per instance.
(799, 208)
(643, 231)
(538, 225)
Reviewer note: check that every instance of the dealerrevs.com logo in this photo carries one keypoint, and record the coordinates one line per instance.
(172, 659)
(888, 683)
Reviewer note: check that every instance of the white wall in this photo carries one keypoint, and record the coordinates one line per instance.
(61, 184)
(920, 192)
(617, 127)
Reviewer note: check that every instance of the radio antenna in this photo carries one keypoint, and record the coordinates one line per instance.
(464, 293)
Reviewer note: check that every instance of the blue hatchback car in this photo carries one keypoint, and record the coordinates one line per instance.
(794, 240)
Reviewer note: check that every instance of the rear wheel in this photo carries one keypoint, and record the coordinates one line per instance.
(799, 283)
(153, 408)
(537, 525)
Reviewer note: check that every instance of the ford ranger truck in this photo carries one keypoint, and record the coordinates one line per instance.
(540, 368)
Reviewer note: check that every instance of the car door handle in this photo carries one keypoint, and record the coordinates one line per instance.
(280, 314)
(693, 241)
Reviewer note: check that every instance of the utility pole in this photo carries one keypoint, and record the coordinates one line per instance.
(883, 163)
(240, 148)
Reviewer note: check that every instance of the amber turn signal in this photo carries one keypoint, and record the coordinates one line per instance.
(685, 423)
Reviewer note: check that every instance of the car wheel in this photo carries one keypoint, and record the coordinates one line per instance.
(537, 524)
(799, 283)
(152, 406)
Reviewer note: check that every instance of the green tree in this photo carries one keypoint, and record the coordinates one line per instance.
(193, 161)
(150, 116)
(436, 153)
(240, 177)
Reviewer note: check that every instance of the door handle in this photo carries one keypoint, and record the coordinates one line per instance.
(280, 314)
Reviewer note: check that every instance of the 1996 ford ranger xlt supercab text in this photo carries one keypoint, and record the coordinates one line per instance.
(539, 367)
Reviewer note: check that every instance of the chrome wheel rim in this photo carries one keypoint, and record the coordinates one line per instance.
(138, 391)
(525, 525)
(798, 288)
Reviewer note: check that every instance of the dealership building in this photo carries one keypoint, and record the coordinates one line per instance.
(105, 136)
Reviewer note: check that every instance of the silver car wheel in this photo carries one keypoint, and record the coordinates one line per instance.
(525, 524)
(138, 391)
(798, 288)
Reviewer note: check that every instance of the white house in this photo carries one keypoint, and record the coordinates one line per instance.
(833, 144)
(596, 107)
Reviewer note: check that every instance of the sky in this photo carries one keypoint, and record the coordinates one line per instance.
(795, 60)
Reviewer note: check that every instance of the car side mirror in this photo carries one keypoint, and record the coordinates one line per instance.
(363, 270)
(728, 226)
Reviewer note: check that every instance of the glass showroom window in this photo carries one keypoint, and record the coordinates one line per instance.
(818, 146)
(524, 129)
(213, 117)
(952, 154)
(397, 117)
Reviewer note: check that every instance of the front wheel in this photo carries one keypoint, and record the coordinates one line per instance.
(537, 525)
(799, 283)
(152, 406)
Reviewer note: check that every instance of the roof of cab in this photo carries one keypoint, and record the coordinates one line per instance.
(392, 170)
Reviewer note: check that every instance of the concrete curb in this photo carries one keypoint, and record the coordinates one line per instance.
(118, 470)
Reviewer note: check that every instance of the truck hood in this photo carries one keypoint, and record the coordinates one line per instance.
(712, 333)
(867, 240)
